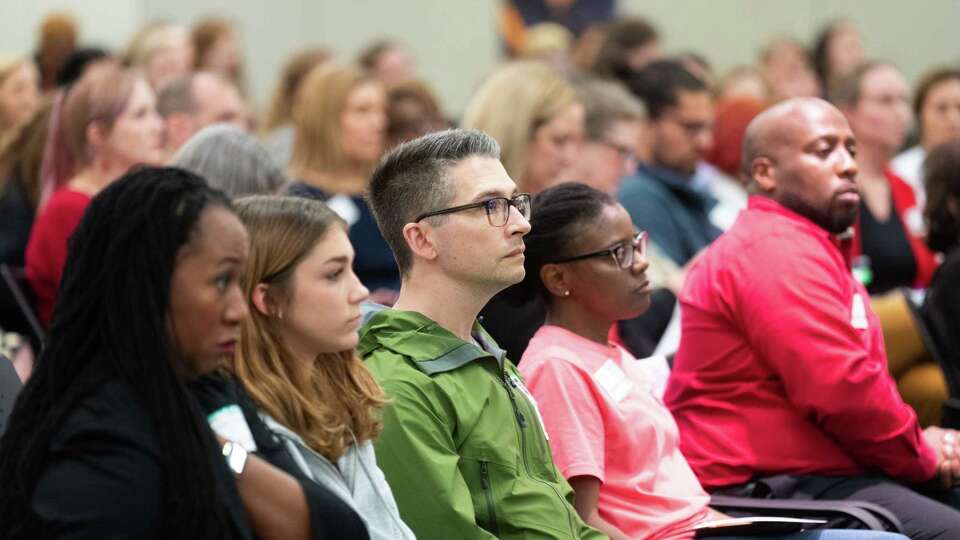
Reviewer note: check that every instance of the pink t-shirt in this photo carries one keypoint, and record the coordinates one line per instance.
(604, 420)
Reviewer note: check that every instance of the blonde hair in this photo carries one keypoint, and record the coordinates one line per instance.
(512, 103)
(294, 71)
(8, 65)
(332, 401)
(317, 111)
(152, 38)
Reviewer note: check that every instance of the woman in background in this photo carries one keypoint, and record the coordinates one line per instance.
(278, 123)
(936, 104)
(106, 124)
(536, 117)
(340, 120)
(19, 93)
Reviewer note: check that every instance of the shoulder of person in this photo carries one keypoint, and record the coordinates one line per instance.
(111, 414)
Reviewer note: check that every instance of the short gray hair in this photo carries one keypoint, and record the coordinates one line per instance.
(607, 102)
(230, 160)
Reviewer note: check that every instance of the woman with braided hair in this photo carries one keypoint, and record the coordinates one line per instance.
(110, 436)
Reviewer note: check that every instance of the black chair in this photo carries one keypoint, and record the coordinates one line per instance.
(931, 334)
(16, 308)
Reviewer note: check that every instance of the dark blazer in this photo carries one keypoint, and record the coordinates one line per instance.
(104, 478)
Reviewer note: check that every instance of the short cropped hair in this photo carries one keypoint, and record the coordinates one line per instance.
(177, 96)
(413, 178)
(607, 102)
(659, 84)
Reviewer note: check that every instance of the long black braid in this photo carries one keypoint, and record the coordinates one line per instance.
(557, 216)
(110, 322)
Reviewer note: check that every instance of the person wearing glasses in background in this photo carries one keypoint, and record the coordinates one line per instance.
(664, 197)
(614, 135)
(611, 435)
(462, 446)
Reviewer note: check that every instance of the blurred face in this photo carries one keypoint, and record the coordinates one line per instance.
(601, 288)
(815, 172)
(940, 115)
(168, 63)
(395, 65)
(19, 93)
(882, 114)
(684, 133)
(605, 161)
(218, 101)
(788, 73)
(364, 122)
(224, 56)
(206, 300)
(136, 135)
(554, 148)
(483, 257)
(322, 308)
(845, 50)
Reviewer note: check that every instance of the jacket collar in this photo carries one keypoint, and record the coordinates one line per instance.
(432, 348)
(681, 185)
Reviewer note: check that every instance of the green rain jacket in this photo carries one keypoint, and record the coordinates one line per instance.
(462, 447)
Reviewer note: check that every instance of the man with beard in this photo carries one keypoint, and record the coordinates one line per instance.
(780, 386)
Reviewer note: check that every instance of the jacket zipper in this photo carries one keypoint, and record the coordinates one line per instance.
(488, 494)
(521, 420)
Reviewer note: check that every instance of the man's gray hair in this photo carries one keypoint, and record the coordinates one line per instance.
(607, 102)
(230, 160)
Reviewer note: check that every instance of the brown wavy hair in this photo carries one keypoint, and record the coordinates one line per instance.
(332, 401)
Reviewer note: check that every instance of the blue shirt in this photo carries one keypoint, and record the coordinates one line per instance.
(374, 263)
(674, 213)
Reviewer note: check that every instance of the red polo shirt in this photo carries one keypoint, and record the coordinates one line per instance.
(781, 368)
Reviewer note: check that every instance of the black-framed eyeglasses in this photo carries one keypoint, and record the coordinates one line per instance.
(497, 209)
(623, 253)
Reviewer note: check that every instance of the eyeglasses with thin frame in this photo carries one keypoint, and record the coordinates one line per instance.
(623, 253)
(497, 209)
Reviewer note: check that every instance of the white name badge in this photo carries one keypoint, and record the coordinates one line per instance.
(229, 423)
(345, 208)
(613, 381)
(858, 313)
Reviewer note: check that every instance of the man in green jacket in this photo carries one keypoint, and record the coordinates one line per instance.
(463, 447)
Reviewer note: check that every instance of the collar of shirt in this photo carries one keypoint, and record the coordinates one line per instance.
(679, 184)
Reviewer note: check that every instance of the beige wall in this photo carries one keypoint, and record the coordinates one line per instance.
(455, 40)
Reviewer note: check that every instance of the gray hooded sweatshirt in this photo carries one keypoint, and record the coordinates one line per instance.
(355, 478)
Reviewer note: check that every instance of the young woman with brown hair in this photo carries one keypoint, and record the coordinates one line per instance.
(296, 355)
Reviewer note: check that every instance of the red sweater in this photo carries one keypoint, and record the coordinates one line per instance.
(47, 248)
(911, 218)
(781, 368)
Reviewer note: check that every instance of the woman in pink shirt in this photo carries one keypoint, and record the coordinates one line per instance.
(610, 434)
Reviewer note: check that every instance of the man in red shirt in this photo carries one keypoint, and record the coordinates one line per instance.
(780, 385)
